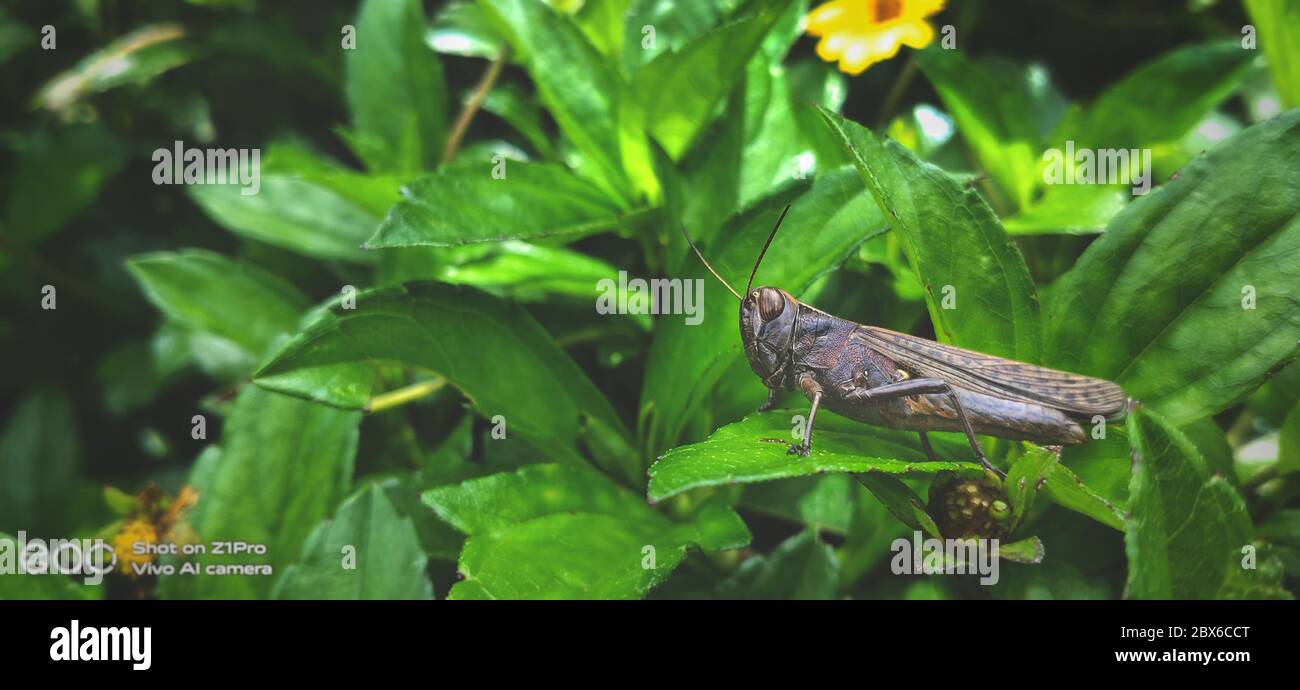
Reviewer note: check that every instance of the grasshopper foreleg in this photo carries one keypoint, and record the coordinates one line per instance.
(902, 389)
(925, 445)
(771, 400)
(813, 390)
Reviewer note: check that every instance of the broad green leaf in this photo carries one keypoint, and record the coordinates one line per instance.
(212, 295)
(134, 59)
(754, 450)
(821, 502)
(1068, 490)
(38, 465)
(284, 466)
(370, 194)
(955, 244)
(467, 336)
(574, 81)
(825, 224)
(520, 270)
(1161, 100)
(387, 561)
(1003, 111)
(602, 23)
(653, 27)
(395, 88)
(29, 586)
(699, 77)
(802, 568)
(1160, 303)
(55, 177)
(470, 202)
(1104, 465)
(556, 532)
(1278, 26)
(291, 213)
(1187, 529)
(1069, 209)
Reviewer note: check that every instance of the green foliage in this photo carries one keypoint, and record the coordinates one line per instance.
(381, 360)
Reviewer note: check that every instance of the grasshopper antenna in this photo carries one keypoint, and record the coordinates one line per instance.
(765, 246)
(706, 264)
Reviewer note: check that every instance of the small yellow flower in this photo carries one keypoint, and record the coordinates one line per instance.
(860, 33)
(137, 531)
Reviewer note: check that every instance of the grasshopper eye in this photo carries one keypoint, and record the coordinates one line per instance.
(770, 304)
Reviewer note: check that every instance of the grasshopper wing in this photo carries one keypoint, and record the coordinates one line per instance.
(998, 377)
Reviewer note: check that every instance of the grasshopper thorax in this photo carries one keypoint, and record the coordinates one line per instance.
(768, 317)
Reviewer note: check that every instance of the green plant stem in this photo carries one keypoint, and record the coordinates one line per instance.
(401, 396)
(472, 105)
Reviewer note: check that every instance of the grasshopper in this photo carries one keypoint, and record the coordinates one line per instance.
(892, 379)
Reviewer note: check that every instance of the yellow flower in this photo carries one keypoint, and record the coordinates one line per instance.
(136, 531)
(860, 33)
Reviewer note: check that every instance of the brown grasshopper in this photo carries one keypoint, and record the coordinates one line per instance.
(896, 380)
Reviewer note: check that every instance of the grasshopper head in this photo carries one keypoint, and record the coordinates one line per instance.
(767, 317)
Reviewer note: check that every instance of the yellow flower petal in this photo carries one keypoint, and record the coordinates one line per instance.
(860, 33)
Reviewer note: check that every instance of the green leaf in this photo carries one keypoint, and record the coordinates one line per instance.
(699, 77)
(523, 271)
(558, 57)
(523, 113)
(1068, 490)
(212, 295)
(38, 465)
(56, 177)
(395, 87)
(557, 532)
(1069, 209)
(1157, 303)
(801, 568)
(754, 450)
(467, 203)
(1186, 535)
(675, 24)
(462, 28)
(1160, 101)
(1278, 24)
(293, 214)
(954, 243)
(134, 59)
(1288, 444)
(825, 224)
(1027, 476)
(541, 399)
(1029, 550)
(1002, 110)
(899, 499)
(387, 560)
(284, 465)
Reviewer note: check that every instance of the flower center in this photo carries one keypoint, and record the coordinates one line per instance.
(885, 10)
